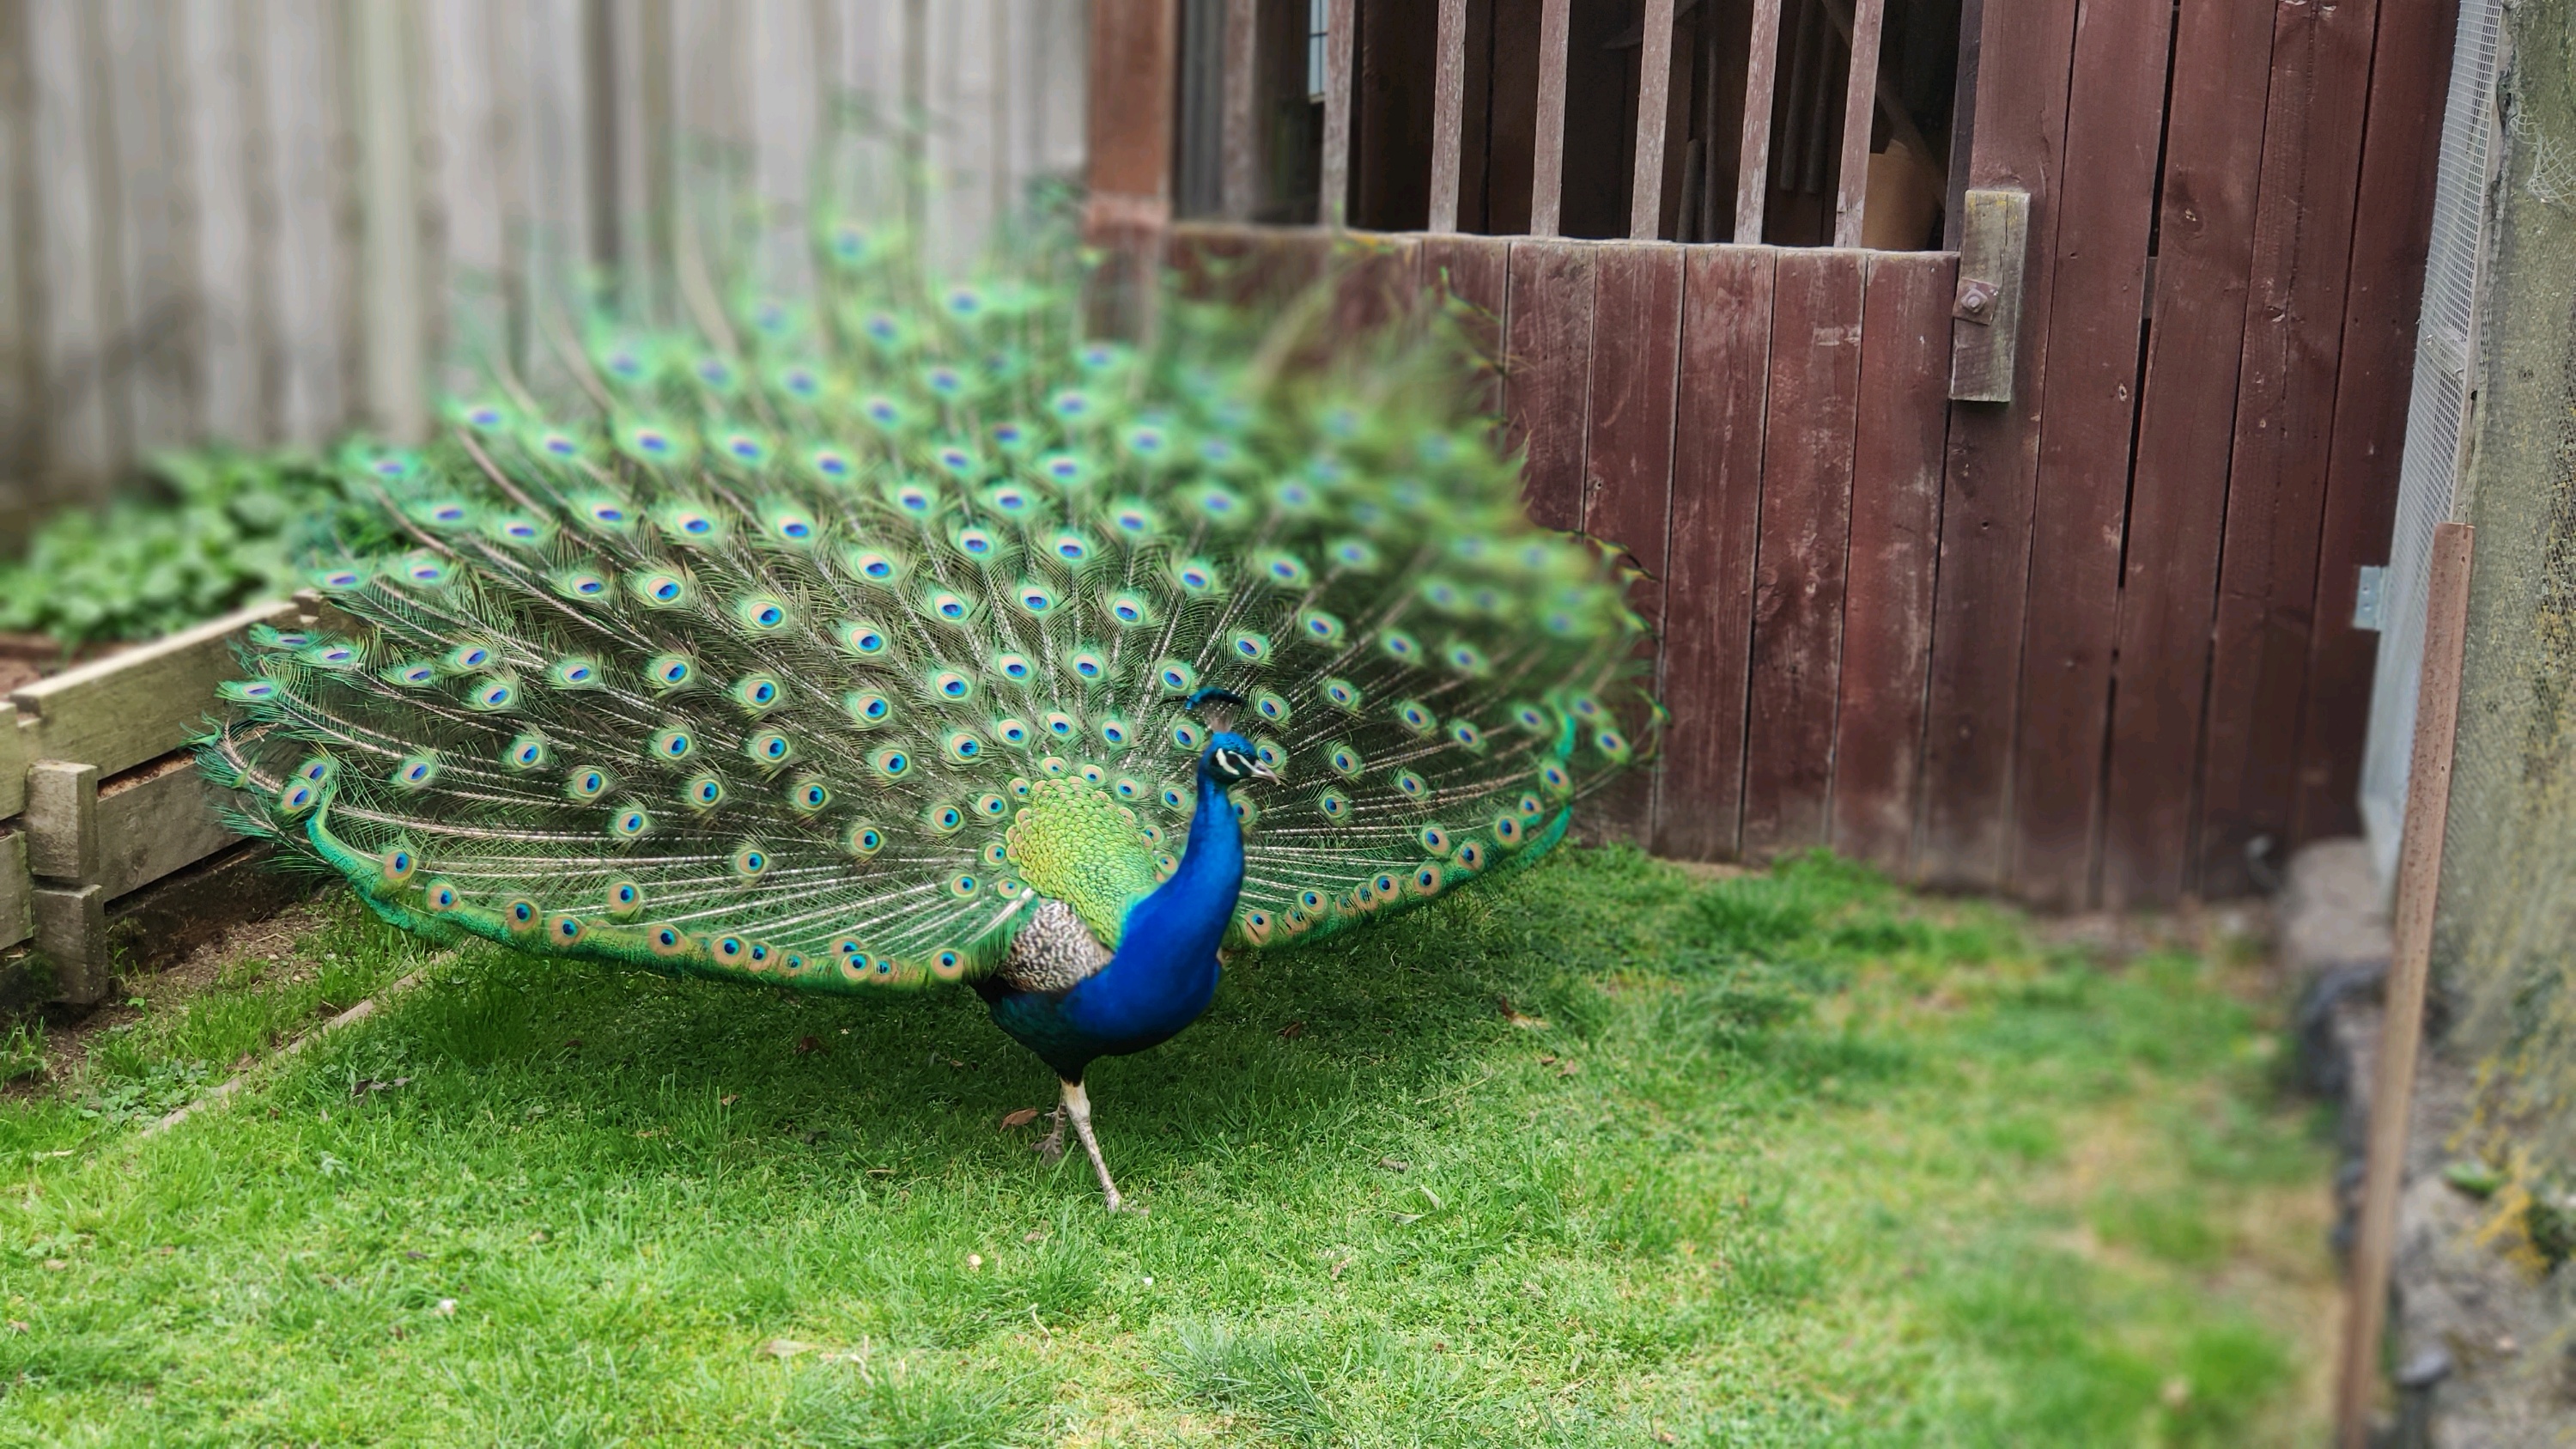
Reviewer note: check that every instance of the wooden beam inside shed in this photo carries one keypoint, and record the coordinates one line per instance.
(1753, 170)
(1448, 115)
(1654, 102)
(1341, 19)
(1547, 163)
(1240, 149)
(1860, 88)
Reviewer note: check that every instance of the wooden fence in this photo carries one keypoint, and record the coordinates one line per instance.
(266, 220)
(2092, 644)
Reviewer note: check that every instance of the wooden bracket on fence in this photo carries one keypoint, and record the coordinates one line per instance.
(68, 903)
(1994, 239)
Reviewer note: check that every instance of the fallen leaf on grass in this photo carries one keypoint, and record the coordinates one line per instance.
(806, 1046)
(785, 1348)
(572, 1043)
(1338, 1266)
(1568, 1068)
(17, 1325)
(650, 1132)
(1034, 1235)
(55, 1265)
(1020, 1118)
(1547, 1059)
(446, 1308)
(728, 1099)
(1525, 1023)
(1292, 1031)
(1395, 1164)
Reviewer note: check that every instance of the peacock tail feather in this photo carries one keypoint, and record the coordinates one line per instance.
(817, 642)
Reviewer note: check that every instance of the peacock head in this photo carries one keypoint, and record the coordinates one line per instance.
(1229, 758)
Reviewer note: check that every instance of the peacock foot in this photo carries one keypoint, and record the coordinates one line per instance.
(1051, 1146)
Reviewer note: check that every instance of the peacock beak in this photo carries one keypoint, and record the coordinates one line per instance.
(1264, 773)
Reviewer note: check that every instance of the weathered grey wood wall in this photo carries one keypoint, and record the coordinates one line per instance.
(267, 220)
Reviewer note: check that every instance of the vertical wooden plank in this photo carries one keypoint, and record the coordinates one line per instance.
(311, 287)
(1860, 91)
(1063, 144)
(148, 359)
(1242, 143)
(1341, 25)
(2419, 880)
(2177, 494)
(2284, 422)
(1804, 537)
(1716, 509)
(394, 339)
(1753, 164)
(1654, 108)
(210, 38)
(785, 119)
(1448, 114)
(1987, 481)
(1547, 159)
(1628, 463)
(1548, 382)
(21, 410)
(961, 142)
(1133, 46)
(1904, 417)
(84, 437)
(2392, 225)
(2105, 204)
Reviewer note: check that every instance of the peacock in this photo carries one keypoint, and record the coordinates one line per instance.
(917, 629)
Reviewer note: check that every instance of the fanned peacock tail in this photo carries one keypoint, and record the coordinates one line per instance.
(806, 645)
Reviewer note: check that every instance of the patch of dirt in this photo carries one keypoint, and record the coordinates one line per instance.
(26, 658)
(67, 1043)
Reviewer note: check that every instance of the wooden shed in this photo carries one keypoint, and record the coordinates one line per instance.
(2002, 397)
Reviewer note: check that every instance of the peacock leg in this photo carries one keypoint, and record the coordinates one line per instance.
(1051, 1146)
(1077, 1105)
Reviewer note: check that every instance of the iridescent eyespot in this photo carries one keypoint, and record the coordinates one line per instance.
(863, 840)
(864, 638)
(750, 861)
(1014, 667)
(950, 685)
(1343, 695)
(705, 792)
(944, 819)
(1012, 732)
(1426, 881)
(1507, 830)
(949, 607)
(521, 914)
(1399, 645)
(1333, 803)
(587, 784)
(948, 965)
(1465, 735)
(875, 567)
(1090, 666)
(1036, 599)
(415, 772)
(806, 797)
(761, 614)
(1346, 762)
(1114, 733)
(768, 747)
(992, 807)
(669, 671)
(1175, 677)
(673, 744)
(526, 752)
(1129, 609)
(963, 746)
(1471, 855)
(867, 708)
(624, 899)
(755, 691)
(440, 897)
(893, 764)
(1555, 778)
(1411, 785)
(1061, 725)
(1186, 737)
(1270, 706)
(975, 543)
(397, 864)
(629, 824)
(1612, 744)
(1434, 840)
(1248, 646)
(1414, 717)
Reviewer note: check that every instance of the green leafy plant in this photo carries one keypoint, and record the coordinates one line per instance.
(213, 531)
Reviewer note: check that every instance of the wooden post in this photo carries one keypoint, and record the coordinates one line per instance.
(1547, 166)
(1242, 143)
(1134, 46)
(1448, 114)
(1341, 19)
(63, 856)
(1654, 102)
(1753, 168)
(2419, 879)
(389, 252)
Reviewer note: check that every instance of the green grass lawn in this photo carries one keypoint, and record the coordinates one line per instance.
(1790, 1159)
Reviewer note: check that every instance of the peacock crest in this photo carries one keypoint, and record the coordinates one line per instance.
(824, 642)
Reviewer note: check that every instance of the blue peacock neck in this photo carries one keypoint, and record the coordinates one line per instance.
(1165, 969)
